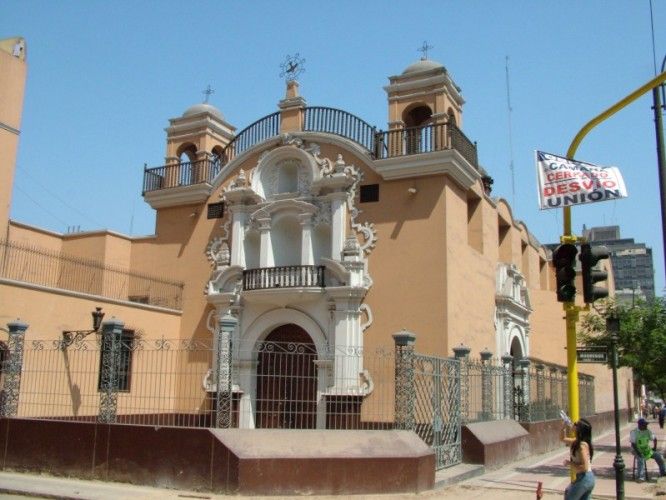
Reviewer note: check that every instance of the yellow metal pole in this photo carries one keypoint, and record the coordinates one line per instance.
(571, 310)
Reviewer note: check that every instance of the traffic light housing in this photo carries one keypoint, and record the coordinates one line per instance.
(589, 256)
(564, 259)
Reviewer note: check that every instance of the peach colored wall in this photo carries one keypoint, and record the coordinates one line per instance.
(12, 86)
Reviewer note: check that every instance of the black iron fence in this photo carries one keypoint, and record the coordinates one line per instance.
(337, 121)
(31, 264)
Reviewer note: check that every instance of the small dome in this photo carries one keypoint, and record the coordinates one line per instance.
(422, 65)
(203, 108)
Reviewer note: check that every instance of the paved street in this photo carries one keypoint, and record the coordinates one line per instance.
(515, 481)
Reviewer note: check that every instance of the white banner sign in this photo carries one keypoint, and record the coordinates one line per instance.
(563, 182)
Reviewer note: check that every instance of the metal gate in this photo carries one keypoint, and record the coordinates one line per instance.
(437, 407)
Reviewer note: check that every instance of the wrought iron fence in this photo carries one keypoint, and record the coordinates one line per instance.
(129, 380)
(531, 391)
(32, 264)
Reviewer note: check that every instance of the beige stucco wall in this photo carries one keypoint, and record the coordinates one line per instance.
(13, 72)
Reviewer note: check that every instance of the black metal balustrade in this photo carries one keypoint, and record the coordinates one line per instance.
(283, 277)
(380, 145)
(336, 121)
(31, 264)
(428, 139)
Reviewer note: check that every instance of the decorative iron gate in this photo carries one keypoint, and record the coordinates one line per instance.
(437, 407)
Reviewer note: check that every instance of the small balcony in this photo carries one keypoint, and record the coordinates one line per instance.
(267, 278)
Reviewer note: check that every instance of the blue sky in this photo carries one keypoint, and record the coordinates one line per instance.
(105, 77)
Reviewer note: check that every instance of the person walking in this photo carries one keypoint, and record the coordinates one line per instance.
(640, 438)
(662, 415)
(580, 459)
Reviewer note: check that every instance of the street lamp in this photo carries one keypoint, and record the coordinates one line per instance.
(613, 328)
(71, 336)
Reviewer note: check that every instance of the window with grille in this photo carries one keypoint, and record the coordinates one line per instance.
(122, 366)
(216, 210)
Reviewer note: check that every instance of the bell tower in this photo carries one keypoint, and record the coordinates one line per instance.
(13, 70)
(424, 94)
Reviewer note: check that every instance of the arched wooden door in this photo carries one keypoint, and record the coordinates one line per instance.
(286, 380)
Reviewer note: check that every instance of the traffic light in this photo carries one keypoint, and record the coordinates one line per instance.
(564, 258)
(589, 256)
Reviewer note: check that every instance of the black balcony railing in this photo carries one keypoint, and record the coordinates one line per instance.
(380, 145)
(40, 266)
(336, 121)
(283, 277)
(428, 139)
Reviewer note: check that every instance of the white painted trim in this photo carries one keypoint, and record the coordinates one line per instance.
(268, 321)
(178, 195)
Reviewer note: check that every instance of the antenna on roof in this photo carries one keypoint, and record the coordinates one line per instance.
(510, 109)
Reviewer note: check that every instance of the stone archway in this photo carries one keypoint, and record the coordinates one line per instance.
(286, 380)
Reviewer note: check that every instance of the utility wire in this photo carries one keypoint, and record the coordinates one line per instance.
(44, 209)
(65, 203)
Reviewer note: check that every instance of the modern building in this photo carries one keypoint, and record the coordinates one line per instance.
(286, 257)
(633, 269)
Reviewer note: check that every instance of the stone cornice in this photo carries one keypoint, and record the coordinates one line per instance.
(446, 162)
(176, 196)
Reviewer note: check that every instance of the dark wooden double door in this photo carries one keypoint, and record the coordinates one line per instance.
(286, 380)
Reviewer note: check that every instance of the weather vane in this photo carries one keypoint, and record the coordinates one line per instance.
(207, 93)
(425, 48)
(292, 67)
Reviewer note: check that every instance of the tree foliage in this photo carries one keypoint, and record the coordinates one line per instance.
(641, 343)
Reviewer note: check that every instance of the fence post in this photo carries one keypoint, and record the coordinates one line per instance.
(223, 396)
(524, 405)
(112, 332)
(486, 385)
(13, 367)
(565, 390)
(541, 391)
(507, 363)
(405, 397)
(461, 353)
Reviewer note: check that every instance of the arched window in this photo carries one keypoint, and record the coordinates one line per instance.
(187, 154)
(417, 138)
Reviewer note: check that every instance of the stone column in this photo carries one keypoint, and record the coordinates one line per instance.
(223, 373)
(507, 363)
(307, 253)
(238, 217)
(12, 368)
(112, 332)
(486, 385)
(405, 399)
(338, 224)
(266, 251)
(461, 353)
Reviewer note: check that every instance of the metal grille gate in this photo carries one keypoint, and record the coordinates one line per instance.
(437, 407)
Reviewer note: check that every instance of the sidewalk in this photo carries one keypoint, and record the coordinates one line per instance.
(515, 481)
(523, 476)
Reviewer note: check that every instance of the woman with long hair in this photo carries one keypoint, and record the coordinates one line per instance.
(580, 459)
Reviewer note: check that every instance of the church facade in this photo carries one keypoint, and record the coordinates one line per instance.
(312, 228)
